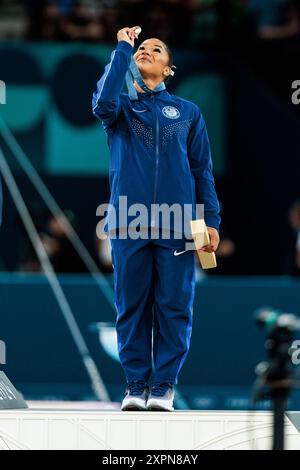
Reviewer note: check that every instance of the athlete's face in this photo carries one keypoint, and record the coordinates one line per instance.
(152, 59)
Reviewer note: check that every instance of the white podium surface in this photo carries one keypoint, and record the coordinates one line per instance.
(115, 430)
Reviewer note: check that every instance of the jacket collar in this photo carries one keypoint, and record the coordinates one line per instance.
(158, 94)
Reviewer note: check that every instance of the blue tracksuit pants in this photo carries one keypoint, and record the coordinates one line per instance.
(154, 293)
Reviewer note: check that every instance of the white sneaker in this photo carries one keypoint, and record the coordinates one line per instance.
(161, 397)
(136, 396)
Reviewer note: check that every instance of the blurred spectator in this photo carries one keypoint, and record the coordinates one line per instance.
(293, 256)
(226, 253)
(178, 22)
(63, 6)
(60, 250)
(12, 19)
(111, 21)
(62, 255)
(219, 21)
(43, 22)
(268, 13)
(28, 261)
(204, 21)
(79, 25)
(51, 23)
(104, 254)
(291, 26)
(276, 19)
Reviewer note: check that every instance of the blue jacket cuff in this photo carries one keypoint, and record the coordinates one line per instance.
(125, 47)
(212, 221)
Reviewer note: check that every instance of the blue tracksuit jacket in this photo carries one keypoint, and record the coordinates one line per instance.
(159, 147)
(159, 153)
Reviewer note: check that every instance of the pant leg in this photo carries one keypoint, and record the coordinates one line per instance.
(133, 286)
(174, 295)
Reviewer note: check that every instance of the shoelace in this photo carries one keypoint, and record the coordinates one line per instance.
(136, 388)
(158, 390)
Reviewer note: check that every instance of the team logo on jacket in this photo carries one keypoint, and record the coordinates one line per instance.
(171, 112)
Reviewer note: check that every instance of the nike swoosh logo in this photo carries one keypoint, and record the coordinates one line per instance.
(177, 253)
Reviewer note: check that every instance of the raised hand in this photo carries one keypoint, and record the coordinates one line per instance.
(129, 34)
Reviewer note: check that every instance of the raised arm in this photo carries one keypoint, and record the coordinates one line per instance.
(106, 99)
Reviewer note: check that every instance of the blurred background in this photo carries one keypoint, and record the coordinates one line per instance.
(237, 60)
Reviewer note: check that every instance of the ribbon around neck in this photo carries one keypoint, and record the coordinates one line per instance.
(133, 74)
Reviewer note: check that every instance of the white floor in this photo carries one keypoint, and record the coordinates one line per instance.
(112, 429)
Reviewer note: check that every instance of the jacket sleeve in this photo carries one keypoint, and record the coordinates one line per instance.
(201, 166)
(106, 99)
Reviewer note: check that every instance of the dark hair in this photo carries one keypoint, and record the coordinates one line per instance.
(170, 55)
(169, 52)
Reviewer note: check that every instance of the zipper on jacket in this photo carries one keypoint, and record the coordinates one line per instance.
(156, 168)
